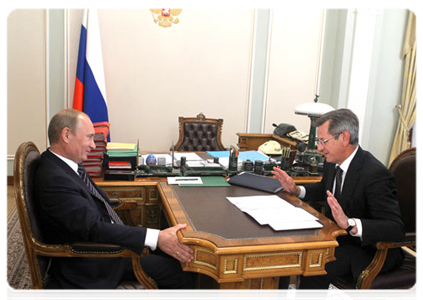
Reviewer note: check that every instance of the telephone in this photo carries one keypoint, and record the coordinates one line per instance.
(298, 136)
(271, 148)
(283, 129)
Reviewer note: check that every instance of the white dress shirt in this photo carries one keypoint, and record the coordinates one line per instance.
(344, 166)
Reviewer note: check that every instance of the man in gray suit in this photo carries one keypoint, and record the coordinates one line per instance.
(360, 195)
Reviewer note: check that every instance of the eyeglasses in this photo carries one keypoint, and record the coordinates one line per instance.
(323, 142)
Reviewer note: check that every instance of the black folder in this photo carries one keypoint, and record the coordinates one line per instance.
(258, 182)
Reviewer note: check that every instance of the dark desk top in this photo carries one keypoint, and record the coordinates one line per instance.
(211, 217)
(209, 211)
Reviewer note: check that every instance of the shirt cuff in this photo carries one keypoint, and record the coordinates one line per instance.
(359, 228)
(151, 238)
(302, 192)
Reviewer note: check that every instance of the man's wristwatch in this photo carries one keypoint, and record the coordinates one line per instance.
(351, 224)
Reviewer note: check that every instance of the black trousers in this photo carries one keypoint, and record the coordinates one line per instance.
(166, 271)
(350, 261)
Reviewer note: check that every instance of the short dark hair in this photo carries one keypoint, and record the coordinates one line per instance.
(64, 118)
(341, 120)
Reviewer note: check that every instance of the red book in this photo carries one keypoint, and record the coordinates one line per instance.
(119, 164)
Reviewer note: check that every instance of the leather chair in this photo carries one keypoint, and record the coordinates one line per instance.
(38, 253)
(199, 134)
(404, 169)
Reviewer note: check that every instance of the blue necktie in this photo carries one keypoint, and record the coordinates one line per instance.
(84, 176)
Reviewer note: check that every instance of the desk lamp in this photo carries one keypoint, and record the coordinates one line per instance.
(313, 110)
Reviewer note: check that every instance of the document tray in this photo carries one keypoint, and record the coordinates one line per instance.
(258, 182)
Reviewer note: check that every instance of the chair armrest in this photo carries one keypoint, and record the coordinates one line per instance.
(89, 249)
(114, 202)
(95, 248)
(369, 274)
(119, 204)
(409, 240)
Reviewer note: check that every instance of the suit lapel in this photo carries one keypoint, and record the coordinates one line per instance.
(68, 170)
(351, 178)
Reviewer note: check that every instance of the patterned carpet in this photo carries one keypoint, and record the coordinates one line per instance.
(18, 281)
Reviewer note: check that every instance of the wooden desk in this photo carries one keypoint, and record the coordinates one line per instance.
(251, 141)
(257, 257)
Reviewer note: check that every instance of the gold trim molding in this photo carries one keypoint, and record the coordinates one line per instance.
(298, 264)
(319, 260)
(225, 266)
(203, 263)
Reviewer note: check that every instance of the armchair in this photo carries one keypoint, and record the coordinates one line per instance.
(38, 253)
(404, 169)
(200, 134)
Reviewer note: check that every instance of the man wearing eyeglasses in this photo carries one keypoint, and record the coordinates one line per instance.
(360, 194)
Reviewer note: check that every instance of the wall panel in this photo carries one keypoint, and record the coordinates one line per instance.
(26, 104)
(293, 64)
(155, 74)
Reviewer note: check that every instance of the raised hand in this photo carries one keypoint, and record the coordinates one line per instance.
(337, 212)
(286, 181)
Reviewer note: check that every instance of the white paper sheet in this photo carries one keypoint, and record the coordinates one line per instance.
(184, 180)
(275, 212)
(188, 155)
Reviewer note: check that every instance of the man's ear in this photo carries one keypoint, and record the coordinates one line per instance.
(65, 134)
(346, 138)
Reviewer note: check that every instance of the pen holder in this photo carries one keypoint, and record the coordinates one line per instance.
(183, 161)
(285, 163)
(258, 167)
(233, 163)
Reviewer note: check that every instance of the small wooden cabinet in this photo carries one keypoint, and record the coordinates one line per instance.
(251, 141)
(147, 213)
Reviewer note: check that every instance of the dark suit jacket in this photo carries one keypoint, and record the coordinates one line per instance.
(69, 213)
(370, 194)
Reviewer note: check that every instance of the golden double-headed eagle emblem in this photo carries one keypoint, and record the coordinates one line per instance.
(165, 17)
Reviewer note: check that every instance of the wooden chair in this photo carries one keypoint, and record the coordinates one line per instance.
(38, 253)
(200, 134)
(404, 169)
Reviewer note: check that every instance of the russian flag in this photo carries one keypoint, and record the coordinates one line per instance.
(90, 92)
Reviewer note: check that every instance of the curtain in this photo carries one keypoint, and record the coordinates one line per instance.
(407, 108)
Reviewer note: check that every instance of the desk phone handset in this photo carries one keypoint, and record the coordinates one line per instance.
(288, 130)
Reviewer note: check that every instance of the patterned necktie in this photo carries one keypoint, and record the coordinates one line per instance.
(338, 183)
(84, 176)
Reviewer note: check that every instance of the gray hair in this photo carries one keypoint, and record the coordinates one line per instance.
(341, 120)
(64, 118)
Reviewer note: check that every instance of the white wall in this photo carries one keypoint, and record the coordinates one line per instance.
(370, 89)
(203, 64)
(26, 84)
(293, 67)
(154, 74)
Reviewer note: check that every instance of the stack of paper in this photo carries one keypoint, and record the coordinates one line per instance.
(121, 156)
(121, 149)
(275, 212)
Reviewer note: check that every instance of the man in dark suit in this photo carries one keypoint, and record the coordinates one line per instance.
(70, 211)
(361, 198)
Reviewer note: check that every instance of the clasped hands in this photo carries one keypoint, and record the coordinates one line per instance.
(169, 243)
(289, 185)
